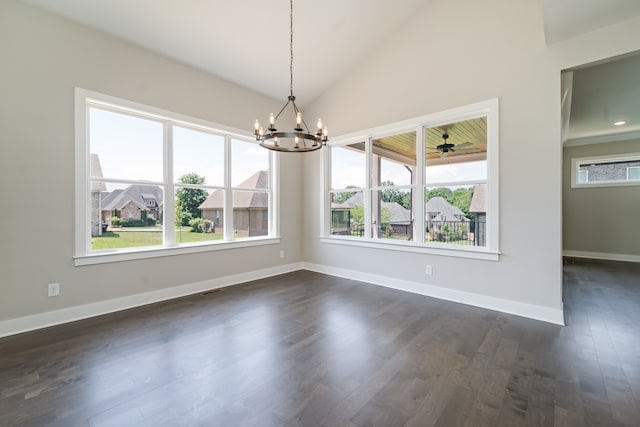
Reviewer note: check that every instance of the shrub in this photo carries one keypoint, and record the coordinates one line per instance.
(194, 223)
(206, 225)
(151, 222)
(115, 221)
(133, 223)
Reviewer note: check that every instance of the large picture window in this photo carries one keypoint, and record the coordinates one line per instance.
(428, 183)
(150, 180)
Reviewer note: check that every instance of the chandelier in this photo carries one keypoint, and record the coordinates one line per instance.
(299, 139)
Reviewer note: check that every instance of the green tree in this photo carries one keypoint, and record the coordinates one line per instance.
(437, 192)
(343, 197)
(357, 216)
(189, 199)
(391, 195)
(461, 198)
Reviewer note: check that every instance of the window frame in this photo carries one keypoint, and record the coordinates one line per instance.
(609, 158)
(491, 252)
(83, 255)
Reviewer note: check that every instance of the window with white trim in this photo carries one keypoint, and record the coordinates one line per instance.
(606, 171)
(149, 179)
(430, 182)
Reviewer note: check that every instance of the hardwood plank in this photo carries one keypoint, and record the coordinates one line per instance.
(305, 349)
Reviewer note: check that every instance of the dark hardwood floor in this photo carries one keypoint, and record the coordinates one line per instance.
(304, 349)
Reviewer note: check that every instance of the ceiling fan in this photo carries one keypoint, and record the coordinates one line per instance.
(446, 147)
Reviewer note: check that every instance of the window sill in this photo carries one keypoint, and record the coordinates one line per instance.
(104, 257)
(607, 184)
(457, 251)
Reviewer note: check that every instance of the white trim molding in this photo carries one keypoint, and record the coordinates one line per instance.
(71, 314)
(601, 255)
(531, 311)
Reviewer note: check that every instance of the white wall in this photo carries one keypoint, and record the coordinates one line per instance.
(454, 53)
(602, 220)
(43, 58)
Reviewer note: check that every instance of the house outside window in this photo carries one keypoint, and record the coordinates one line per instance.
(606, 171)
(151, 177)
(427, 184)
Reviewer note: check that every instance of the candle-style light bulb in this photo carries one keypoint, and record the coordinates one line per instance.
(275, 141)
(261, 131)
(256, 125)
(299, 118)
(272, 120)
(325, 132)
(319, 125)
(297, 140)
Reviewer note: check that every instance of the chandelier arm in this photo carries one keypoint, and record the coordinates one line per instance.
(281, 110)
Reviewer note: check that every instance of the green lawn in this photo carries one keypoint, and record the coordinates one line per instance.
(129, 239)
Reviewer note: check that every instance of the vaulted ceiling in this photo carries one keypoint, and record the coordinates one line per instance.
(247, 42)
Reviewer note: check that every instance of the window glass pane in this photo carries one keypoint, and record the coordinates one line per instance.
(396, 155)
(456, 215)
(129, 216)
(456, 152)
(249, 165)
(583, 176)
(250, 213)
(633, 173)
(391, 214)
(197, 155)
(347, 214)
(347, 166)
(198, 215)
(128, 147)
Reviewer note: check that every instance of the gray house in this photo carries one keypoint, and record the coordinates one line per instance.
(400, 220)
(444, 221)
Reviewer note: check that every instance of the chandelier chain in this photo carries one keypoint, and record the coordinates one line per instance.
(291, 47)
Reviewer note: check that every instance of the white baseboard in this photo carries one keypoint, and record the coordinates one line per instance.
(65, 315)
(537, 312)
(602, 255)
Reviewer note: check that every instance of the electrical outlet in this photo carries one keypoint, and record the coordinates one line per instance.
(281, 254)
(53, 289)
(428, 270)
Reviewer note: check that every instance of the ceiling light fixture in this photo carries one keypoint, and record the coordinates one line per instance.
(620, 123)
(299, 140)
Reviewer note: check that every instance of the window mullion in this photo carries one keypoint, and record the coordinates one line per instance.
(418, 201)
(367, 189)
(228, 192)
(169, 214)
(274, 194)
